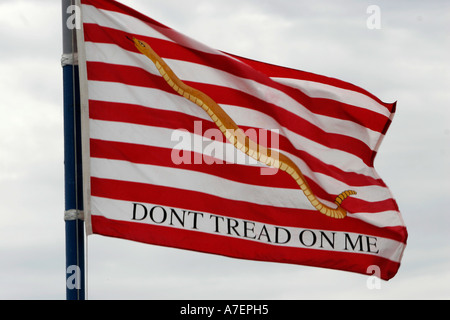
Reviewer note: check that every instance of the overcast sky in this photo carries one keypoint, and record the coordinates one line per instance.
(405, 60)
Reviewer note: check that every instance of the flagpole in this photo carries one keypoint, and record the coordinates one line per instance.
(73, 182)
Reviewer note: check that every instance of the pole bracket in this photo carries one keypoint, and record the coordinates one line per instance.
(73, 214)
(69, 59)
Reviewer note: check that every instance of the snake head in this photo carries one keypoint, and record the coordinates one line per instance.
(139, 44)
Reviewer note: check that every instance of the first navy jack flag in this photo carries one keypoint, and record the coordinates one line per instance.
(189, 147)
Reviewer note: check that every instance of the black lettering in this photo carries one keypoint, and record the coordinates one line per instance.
(252, 229)
(217, 221)
(232, 227)
(369, 244)
(163, 216)
(277, 235)
(173, 213)
(313, 238)
(324, 236)
(353, 245)
(264, 233)
(194, 224)
(135, 205)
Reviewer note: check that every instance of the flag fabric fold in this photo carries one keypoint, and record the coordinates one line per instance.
(158, 170)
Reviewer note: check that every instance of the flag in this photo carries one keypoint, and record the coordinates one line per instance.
(189, 147)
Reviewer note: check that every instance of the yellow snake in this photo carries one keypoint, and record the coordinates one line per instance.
(236, 136)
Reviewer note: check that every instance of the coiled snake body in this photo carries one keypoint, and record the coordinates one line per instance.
(237, 137)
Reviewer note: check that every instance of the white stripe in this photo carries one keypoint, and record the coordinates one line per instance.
(116, 92)
(193, 72)
(321, 90)
(123, 211)
(113, 54)
(383, 219)
(146, 97)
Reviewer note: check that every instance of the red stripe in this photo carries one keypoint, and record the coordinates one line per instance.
(339, 110)
(136, 76)
(171, 50)
(284, 72)
(197, 201)
(240, 248)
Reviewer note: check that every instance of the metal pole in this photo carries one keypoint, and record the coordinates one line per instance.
(73, 215)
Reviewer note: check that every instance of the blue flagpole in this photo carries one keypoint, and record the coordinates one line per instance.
(73, 181)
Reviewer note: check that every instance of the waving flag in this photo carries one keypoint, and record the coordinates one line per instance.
(190, 147)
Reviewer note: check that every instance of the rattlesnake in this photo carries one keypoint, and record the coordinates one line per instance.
(237, 137)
